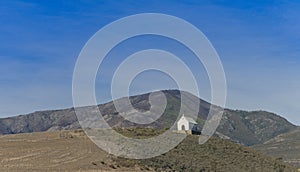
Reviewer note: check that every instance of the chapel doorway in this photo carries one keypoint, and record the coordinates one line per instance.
(182, 127)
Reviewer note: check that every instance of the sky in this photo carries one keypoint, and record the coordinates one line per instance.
(257, 41)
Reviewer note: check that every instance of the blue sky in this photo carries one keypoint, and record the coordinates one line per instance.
(257, 41)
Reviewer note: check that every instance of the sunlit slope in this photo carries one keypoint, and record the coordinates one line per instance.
(73, 151)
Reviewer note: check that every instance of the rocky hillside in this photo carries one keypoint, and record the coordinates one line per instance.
(285, 146)
(253, 127)
(247, 128)
(40, 121)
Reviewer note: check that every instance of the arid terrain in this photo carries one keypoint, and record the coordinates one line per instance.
(286, 146)
(73, 151)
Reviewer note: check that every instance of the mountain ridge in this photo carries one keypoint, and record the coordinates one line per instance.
(245, 127)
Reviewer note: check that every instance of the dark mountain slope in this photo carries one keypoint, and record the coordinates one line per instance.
(253, 127)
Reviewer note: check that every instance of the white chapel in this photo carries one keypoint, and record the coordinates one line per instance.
(186, 123)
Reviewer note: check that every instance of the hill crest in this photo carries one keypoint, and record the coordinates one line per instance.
(247, 128)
